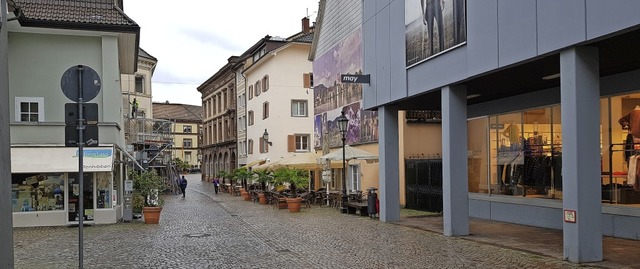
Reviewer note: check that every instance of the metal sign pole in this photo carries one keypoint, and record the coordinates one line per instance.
(80, 167)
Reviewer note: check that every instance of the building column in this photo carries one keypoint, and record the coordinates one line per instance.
(455, 186)
(580, 97)
(6, 215)
(389, 175)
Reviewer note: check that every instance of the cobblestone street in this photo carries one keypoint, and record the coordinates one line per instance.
(205, 230)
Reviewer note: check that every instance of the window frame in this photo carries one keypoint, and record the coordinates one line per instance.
(258, 88)
(250, 92)
(250, 119)
(300, 101)
(265, 83)
(250, 146)
(184, 143)
(308, 142)
(187, 129)
(265, 110)
(135, 83)
(18, 108)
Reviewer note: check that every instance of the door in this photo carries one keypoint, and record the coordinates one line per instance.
(74, 197)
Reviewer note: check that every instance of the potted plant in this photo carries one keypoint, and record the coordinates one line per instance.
(147, 187)
(263, 177)
(243, 174)
(296, 178)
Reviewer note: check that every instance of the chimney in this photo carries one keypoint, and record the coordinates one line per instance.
(305, 25)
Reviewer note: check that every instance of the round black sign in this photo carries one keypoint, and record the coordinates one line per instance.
(80, 77)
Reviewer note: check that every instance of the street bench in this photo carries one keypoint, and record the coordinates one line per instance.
(352, 207)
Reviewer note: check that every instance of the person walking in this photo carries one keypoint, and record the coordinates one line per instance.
(216, 183)
(183, 185)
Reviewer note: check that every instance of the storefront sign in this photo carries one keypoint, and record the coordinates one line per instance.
(60, 159)
(346, 78)
(570, 216)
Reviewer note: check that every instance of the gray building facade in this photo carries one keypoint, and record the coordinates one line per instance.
(533, 96)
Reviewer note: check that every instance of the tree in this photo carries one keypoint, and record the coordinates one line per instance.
(147, 186)
(242, 174)
(295, 177)
(263, 177)
(181, 165)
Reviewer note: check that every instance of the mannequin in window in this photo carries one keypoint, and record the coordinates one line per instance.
(632, 122)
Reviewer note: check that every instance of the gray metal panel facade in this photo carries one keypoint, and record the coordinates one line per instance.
(369, 94)
(560, 24)
(482, 36)
(383, 67)
(398, 74)
(517, 33)
(599, 14)
(438, 71)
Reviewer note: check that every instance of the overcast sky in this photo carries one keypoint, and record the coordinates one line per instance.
(192, 39)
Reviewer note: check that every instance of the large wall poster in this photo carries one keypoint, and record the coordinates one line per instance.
(331, 96)
(433, 26)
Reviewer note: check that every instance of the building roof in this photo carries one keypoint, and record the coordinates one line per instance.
(303, 37)
(177, 112)
(68, 14)
(143, 53)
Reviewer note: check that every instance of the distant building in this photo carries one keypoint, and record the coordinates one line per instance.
(46, 39)
(219, 147)
(279, 102)
(187, 126)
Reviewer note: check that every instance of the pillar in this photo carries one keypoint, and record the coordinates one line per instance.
(580, 97)
(389, 176)
(455, 187)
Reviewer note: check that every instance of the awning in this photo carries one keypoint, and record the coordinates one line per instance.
(256, 162)
(60, 159)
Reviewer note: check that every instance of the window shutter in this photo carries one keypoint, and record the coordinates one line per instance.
(261, 145)
(291, 143)
(306, 80)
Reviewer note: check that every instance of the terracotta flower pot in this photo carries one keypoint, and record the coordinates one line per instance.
(262, 199)
(294, 204)
(151, 214)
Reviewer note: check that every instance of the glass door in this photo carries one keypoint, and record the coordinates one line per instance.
(74, 197)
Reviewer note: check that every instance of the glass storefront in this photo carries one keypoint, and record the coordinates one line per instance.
(37, 192)
(74, 196)
(520, 153)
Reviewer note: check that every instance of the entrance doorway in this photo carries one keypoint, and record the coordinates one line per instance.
(74, 197)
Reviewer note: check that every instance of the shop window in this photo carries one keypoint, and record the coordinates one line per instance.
(29, 109)
(103, 188)
(37, 192)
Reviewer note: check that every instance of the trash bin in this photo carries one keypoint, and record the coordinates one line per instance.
(372, 198)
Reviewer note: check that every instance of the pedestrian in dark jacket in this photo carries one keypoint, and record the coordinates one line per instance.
(216, 183)
(183, 185)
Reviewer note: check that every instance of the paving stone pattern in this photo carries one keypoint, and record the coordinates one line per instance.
(205, 230)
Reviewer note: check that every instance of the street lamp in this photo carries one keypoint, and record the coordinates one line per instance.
(265, 137)
(343, 122)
